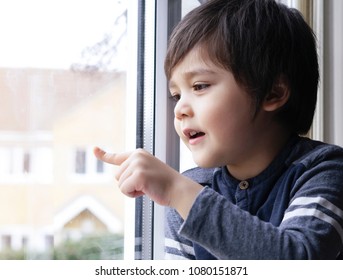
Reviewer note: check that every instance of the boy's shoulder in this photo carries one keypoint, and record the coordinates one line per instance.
(315, 151)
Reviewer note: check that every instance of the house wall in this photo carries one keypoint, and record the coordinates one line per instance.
(63, 112)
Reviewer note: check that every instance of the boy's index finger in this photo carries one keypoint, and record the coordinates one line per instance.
(115, 159)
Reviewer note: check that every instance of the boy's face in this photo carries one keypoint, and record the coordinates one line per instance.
(213, 114)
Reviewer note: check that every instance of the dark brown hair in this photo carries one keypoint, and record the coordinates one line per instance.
(259, 41)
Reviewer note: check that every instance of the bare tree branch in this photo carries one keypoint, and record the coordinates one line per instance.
(100, 56)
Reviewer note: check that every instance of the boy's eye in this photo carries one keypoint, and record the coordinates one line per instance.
(198, 87)
(175, 97)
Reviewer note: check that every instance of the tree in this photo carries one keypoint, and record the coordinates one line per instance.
(102, 55)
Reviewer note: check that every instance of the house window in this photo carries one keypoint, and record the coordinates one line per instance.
(24, 242)
(80, 162)
(26, 162)
(100, 166)
(19, 165)
(49, 242)
(88, 168)
(6, 242)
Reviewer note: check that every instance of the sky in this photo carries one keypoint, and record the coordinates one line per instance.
(52, 33)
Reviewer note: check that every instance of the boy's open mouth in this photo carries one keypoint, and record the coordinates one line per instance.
(194, 134)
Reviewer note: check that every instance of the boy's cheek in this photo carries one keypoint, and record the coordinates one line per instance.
(179, 132)
(177, 127)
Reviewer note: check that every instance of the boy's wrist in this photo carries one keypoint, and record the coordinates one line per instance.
(183, 196)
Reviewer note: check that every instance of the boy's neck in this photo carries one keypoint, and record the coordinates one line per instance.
(268, 147)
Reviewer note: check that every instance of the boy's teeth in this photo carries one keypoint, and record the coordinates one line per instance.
(192, 133)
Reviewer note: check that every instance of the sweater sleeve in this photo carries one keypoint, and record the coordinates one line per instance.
(312, 227)
(176, 246)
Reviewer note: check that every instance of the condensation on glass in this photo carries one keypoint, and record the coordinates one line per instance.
(62, 88)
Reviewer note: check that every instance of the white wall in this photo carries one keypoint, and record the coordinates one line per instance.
(333, 71)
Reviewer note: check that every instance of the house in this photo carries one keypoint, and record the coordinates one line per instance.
(52, 188)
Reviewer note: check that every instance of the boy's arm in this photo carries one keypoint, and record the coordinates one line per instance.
(229, 232)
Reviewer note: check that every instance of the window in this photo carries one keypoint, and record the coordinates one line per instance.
(80, 161)
(6, 242)
(72, 85)
(159, 135)
(27, 162)
(100, 166)
(18, 164)
(63, 77)
(85, 168)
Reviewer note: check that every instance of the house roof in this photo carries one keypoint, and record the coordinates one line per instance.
(86, 202)
(32, 99)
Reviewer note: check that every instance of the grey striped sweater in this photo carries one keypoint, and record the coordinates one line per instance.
(292, 210)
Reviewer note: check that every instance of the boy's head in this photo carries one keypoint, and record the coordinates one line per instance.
(263, 43)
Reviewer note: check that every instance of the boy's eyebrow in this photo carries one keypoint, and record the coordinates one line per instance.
(200, 71)
(192, 73)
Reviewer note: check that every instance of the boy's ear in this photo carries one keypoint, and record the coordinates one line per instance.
(278, 96)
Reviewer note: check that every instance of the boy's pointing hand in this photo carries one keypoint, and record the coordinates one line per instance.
(115, 159)
(141, 173)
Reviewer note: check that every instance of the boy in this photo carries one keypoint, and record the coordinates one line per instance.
(244, 75)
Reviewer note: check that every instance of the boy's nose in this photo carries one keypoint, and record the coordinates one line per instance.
(183, 109)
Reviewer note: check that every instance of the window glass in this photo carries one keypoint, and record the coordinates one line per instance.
(63, 91)
(188, 5)
(186, 160)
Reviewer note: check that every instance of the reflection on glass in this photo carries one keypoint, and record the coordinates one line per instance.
(62, 88)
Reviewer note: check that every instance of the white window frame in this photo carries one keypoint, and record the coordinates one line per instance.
(131, 121)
